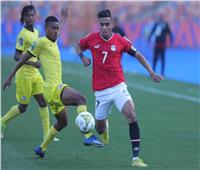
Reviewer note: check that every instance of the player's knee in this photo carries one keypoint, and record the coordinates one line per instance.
(61, 124)
(130, 116)
(129, 112)
(81, 99)
(42, 103)
(131, 119)
(22, 108)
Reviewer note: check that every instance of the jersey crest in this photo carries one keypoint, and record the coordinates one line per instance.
(33, 45)
(113, 47)
(97, 46)
(24, 98)
(21, 41)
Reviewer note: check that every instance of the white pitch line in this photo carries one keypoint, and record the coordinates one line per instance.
(163, 92)
(142, 87)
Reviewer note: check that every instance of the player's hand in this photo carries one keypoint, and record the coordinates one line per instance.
(86, 61)
(7, 83)
(156, 78)
(64, 13)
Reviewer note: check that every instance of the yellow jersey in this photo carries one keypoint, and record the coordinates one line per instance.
(24, 40)
(48, 53)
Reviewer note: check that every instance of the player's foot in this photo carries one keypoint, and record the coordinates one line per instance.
(56, 139)
(38, 151)
(138, 163)
(105, 134)
(92, 140)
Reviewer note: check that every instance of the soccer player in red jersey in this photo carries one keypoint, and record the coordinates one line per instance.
(108, 79)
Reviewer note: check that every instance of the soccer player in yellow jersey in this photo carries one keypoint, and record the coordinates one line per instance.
(29, 82)
(56, 92)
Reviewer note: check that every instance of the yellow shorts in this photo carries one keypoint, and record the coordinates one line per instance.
(25, 88)
(52, 96)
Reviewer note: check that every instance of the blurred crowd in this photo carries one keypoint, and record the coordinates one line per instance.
(135, 17)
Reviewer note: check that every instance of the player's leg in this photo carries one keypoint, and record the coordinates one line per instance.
(102, 128)
(125, 105)
(162, 53)
(37, 91)
(71, 97)
(44, 113)
(128, 111)
(61, 123)
(11, 114)
(155, 58)
(23, 95)
(102, 111)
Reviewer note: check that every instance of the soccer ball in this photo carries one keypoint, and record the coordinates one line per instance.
(85, 122)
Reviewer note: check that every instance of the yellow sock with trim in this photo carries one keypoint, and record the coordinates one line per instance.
(105, 137)
(11, 114)
(48, 139)
(105, 134)
(44, 115)
(83, 108)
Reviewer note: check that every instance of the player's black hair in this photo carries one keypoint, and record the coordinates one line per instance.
(104, 13)
(51, 19)
(25, 10)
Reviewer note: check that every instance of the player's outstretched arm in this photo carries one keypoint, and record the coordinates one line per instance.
(86, 61)
(18, 55)
(63, 19)
(21, 61)
(34, 64)
(144, 62)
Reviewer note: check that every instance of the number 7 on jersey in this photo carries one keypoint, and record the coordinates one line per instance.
(105, 53)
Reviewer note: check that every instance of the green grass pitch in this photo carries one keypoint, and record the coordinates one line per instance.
(169, 129)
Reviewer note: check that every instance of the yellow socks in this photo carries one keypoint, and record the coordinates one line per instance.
(48, 139)
(105, 134)
(88, 135)
(44, 115)
(83, 108)
(12, 113)
(105, 137)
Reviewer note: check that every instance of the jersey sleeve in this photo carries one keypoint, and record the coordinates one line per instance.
(36, 48)
(84, 42)
(21, 41)
(126, 44)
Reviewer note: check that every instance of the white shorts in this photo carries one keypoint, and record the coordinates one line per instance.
(118, 95)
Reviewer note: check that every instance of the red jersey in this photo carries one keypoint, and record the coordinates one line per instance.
(106, 54)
